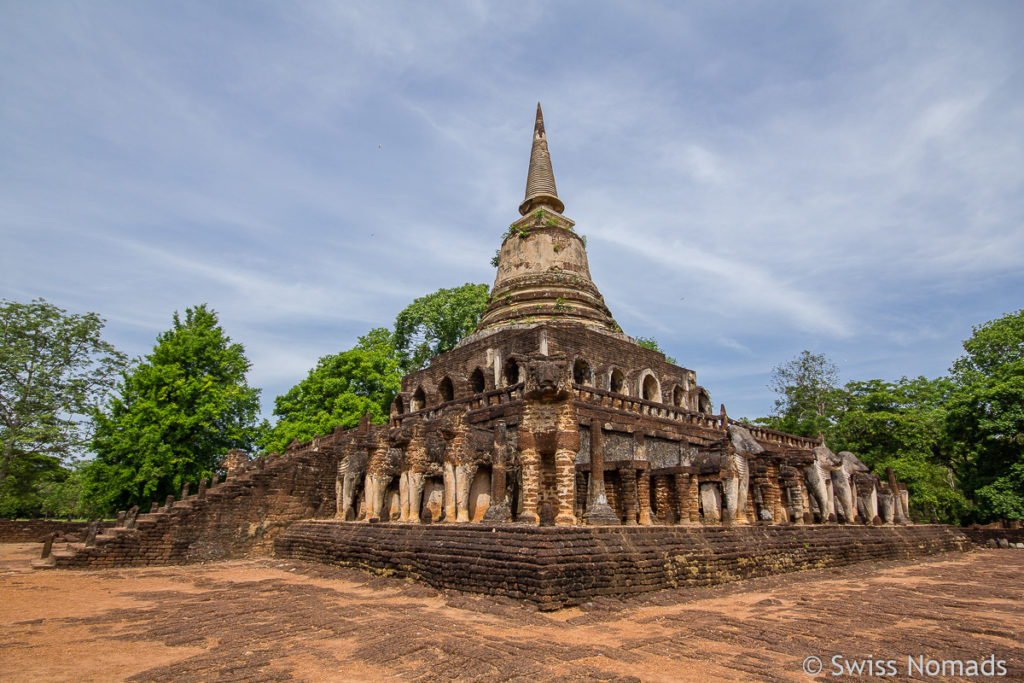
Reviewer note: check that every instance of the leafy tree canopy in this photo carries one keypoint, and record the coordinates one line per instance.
(364, 380)
(338, 391)
(179, 410)
(807, 388)
(986, 416)
(54, 368)
(435, 323)
(901, 425)
(652, 344)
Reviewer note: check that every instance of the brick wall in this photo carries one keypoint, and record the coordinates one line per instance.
(35, 530)
(558, 567)
(239, 517)
(982, 534)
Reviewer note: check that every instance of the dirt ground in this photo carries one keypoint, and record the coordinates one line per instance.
(271, 619)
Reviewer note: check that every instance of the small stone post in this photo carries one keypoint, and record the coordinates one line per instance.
(90, 535)
(48, 544)
(184, 491)
(133, 514)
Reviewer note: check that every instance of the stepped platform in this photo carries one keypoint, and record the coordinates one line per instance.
(557, 567)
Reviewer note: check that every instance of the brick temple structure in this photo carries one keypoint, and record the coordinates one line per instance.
(547, 457)
(548, 413)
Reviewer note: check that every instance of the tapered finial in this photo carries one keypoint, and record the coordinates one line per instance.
(540, 180)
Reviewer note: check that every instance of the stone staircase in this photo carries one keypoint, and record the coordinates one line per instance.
(238, 517)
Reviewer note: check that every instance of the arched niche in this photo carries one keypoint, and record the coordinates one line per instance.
(617, 381)
(678, 396)
(477, 381)
(650, 388)
(510, 373)
(582, 373)
(446, 390)
(704, 401)
(419, 400)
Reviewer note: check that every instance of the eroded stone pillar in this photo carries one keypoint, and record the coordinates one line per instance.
(376, 486)
(500, 509)
(530, 460)
(598, 511)
(643, 494)
(628, 476)
(498, 464)
(711, 502)
(682, 484)
(772, 493)
(565, 486)
(403, 497)
(449, 492)
(415, 495)
(463, 481)
(900, 515)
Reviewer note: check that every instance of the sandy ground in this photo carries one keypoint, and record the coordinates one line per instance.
(270, 619)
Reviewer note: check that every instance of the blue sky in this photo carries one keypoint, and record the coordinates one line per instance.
(754, 178)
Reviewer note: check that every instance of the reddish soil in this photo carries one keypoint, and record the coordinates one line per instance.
(269, 619)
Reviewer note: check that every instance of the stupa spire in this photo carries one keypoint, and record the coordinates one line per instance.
(543, 274)
(540, 180)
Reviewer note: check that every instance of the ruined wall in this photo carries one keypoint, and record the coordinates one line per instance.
(239, 517)
(981, 535)
(35, 530)
(601, 351)
(558, 567)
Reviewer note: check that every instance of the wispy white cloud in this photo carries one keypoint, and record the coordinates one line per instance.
(755, 180)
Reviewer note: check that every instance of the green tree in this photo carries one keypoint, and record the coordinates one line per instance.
(986, 417)
(652, 344)
(178, 411)
(808, 392)
(902, 425)
(338, 391)
(435, 323)
(54, 369)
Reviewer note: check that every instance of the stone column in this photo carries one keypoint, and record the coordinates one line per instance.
(772, 494)
(711, 502)
(403, 497)
(628, 476)
(598, 511)
(663, 508)
(530, 460)
(643, 493)
(565, 486)
(463, 481)
(415, 493)
(681, 483)
(449, 492)
(500, 509)
(579, 503)
(498, 483)
(901, 514)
